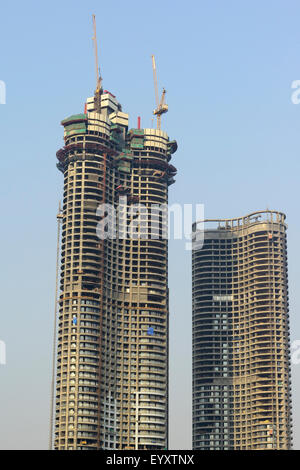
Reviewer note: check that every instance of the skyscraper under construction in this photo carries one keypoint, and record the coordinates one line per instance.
(241, 356)
(112, 333)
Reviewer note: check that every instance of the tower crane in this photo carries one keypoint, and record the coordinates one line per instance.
(98, 75)
(161, 106)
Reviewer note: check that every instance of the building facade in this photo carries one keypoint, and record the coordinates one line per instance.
(112, 334)
(241, 350)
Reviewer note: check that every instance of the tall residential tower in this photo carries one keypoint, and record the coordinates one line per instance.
(241, 357)
(112, 334)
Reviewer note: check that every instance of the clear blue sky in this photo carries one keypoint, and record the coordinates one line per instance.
(228, 68)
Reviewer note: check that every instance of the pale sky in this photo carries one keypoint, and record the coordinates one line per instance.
(228, 69)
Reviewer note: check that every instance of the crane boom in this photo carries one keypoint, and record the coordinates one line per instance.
(161, 107)
(98, 76)
(155, 80)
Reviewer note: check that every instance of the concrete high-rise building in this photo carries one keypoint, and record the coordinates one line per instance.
(241, 353)
(112, 332)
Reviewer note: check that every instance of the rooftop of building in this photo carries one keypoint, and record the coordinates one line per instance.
(258, 217)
